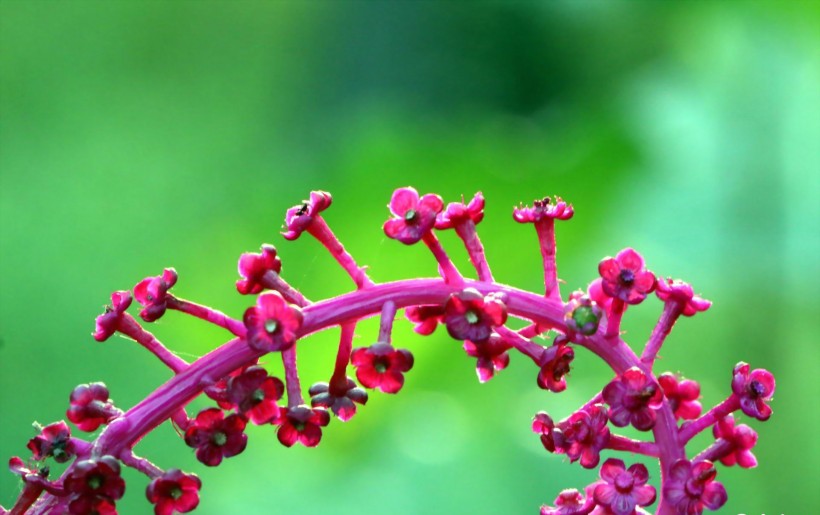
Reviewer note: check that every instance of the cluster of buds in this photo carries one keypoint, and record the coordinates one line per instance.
(474, 311)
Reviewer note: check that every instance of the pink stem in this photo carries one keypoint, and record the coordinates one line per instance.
(718, 450)
(689, 430)
(143, 465)
(448, 270)
(386, 322)
(622, 443)
(671, 312)
(523, 345)
(466, 231)
(129, 327)
(292, 383)
(272, 281)
(320, 230)
(338, 381)
(81, 448)
(545, 228)
(613, 326)
(207, 314)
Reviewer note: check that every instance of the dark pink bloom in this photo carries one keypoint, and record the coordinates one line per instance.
(543, 425)
(272, 324)
(53, 440)
(253, 267)
(302, 424)
(215, 436)
(633, 399)
(91, 407)
(584, 434)
(299, 218)
(426, 318)
(19, 467)
(415, 216)
(469, 315)
(456, 213)
(341, 401)
(569, 502)
(554, 365)
(692, 487)
(625, 277)
(85, 505)
(254, 393)
(669, 290)
(682, 395)
(152, 293)
(491, 356)
(741, 438)
(596, 293)
(381, 366)
(94, 480)
(753, 389)
(109, 321)
(622, 489)
(174, 492)
(582, 314)
(542, 209)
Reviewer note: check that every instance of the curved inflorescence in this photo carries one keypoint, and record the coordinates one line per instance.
(475, 311)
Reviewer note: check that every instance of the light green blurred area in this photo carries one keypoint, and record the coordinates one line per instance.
(135, 136)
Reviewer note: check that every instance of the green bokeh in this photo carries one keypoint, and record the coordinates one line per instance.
(135, 136)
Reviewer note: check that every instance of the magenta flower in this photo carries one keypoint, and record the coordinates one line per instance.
(753, 389)
(633, 399)
(341, 401)
(596, 293)
(584, 434)
(426, 318)
(622, 489)
(491, 356)
(569, 502)
(19, 467)
(174, 492)
(682, 395)
(692, 487)
(741, 438)
(543, 425)
(272, 324)
(109, 321)
(415, 216)
(91, 407)
(152, 293)
(302, 424)
(254, 393)
(253, 267)
(624, 277)
(554, 365)
(669, 290)
(471, 316)
(582, 314)
(543, 209)
(381, 366)
(54, 440)
(92, 481)
(299, 218)
(84, 505)
(456, 213)
(215, 436)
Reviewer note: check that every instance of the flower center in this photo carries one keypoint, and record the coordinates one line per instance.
(472, 317)
(756, 389)
(95, 481)
(219, 438)
(299, 426)
(410, 215)
(624, 482)
(627, 277)
(258, 396)
(271, 326)
(381, 366)
(175, 493)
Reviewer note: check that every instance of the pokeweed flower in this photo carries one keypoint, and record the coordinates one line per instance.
(543, 425)
(669, 290)
(584, 434)
(415, 216)
(742, 439)
(174, 492)
(84, 505)
(341, 401)
(253, 267)
(469, 315)
(491, 356)
(596, 293)
(152, 293)
(633, 398)
(299, 218)
(54, 441)
(302, 424)
(457, 213)
(543, 208)
(254, 393)
(554, 365)
(272, 323)
(95, 484)
(381, 366)
(569, 502)
(425, 318)
(691, 487)
(622, 489)
(582, 314)
(215, 436)
(625, 277)
(753, 389)
(19, 467)
(91, 407)
(107, 323)
(682, 395)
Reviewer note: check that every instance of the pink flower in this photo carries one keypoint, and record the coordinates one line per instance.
(272, 324)
(152, 292)
(426, 318)
(542, 209)
(341, 401)
(543, 425)
(469, 315)
(692, 487)
(491, 356)
(633, 398)
(174, 491)
(415, 216)
(682, 395)
(54, 440)
(582, 314)
(302, 424)
(669, 290)
(741, 438)
(109, 321)
(456, 213)
(754, 389)
(299, 218)
(84, 505)
(625, 277)
(622, 489)
(19, 467)
(584, 434)
(254, 393)
(92, 481)
(215, 436)
(253, 267)
(569, 502)
(554, 364)
(596, 293)
(91, 407)
(381, 366)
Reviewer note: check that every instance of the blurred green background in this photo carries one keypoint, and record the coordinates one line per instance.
(139, 135)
